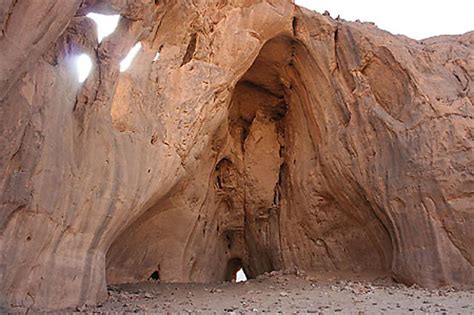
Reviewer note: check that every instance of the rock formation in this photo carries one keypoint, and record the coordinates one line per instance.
(266, 136)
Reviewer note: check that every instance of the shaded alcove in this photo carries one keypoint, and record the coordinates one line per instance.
(275, 197)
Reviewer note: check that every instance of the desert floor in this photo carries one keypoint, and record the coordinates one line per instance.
(277, 292)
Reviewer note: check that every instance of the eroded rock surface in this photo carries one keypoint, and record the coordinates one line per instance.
(266, 136)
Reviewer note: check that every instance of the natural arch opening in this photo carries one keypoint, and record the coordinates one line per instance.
(235, 271)
(278, 195)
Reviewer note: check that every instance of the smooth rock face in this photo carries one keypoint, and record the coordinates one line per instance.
(266, 137)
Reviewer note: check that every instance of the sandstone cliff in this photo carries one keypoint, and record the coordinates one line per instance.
(266, 136)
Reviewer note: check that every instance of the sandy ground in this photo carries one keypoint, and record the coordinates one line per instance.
(280, 293)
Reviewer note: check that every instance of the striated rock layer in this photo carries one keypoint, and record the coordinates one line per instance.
(265, 136)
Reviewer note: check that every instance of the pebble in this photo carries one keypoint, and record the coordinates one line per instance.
(148, 295)
(214, 290)
(81, 308)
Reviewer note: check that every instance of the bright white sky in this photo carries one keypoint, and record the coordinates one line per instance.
(125, 63)
(84, 67)
(241, 276)
(106, 25)
(417, 19)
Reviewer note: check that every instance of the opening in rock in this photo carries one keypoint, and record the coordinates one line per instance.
(188, 56)
(83, 67)
(275, 194)
(235, 271)
(155, 275)
(127, 61)
(106, 24)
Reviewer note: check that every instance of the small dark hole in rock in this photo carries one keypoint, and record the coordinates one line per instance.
(155, 276)
(28, 238)
(190, 50)
(154, 138)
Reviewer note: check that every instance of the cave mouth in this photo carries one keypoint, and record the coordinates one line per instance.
(155, 276)
(297, 209)
(235, 271)
(270, 201)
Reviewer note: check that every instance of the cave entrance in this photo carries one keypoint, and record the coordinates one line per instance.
(302, 206)
(235, 271)
(155, 276)
(277, 195)
(257, 124)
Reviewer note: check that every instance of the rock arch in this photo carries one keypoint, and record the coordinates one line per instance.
(269, 197)
(367, 155)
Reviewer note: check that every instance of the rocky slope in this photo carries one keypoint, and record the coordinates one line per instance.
(266, 136)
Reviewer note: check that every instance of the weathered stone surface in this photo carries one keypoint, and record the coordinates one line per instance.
(266, 136)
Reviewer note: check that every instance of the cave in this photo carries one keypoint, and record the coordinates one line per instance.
(270, 198)
(244, 133)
